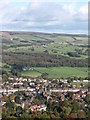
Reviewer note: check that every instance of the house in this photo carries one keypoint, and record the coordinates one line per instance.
(43, 107)
(31, 89)
(3, 103)
(27, 94)
(77, 96)
(62, 97)
(11, 78)
(18, 83)
(35, 108)
(83, 95)
(23, 105)
(25, 79)
(85, 81)
(32, 84)
(42, 80)
(74, 80)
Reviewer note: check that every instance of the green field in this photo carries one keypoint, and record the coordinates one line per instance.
(29, 49)
(57, 72)
(6, 68)
(31, 73)
(75, 83)
(59, 45)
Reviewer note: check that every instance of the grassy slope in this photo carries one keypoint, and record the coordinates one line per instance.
(62, 44)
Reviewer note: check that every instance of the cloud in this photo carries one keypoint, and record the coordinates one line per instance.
(82, 14)
(44, 16)
(84, 9)
(35, 5)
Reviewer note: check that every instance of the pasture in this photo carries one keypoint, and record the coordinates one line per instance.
(57, 72)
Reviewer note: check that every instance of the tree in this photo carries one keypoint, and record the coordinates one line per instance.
(73, 115)
(68, 111)
(32, 48)
(17, 99)
(81, 114)
(87, 99)
(56, 113)
(44, 116)
(52, 116)
(18, 111)
(75, 106)
(5, 77)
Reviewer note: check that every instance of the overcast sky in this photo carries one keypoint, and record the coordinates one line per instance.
(52, 16)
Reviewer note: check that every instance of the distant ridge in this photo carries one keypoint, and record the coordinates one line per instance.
(62, 34)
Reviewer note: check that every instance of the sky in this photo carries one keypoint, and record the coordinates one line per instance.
(52, 16)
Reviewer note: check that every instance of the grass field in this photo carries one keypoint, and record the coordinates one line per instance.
(31, 73)
(6, 68)
(75, 83)
(57, 72)
(53, 44)
(61, 44)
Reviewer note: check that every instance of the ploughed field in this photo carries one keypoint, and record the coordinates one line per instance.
(51, 55)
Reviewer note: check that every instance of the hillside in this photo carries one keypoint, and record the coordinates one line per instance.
(34, 49)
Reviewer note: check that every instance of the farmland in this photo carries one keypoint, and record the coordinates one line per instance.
(57, 55)
(42, 43)
(57, 72)
(31, 73)
(44, 75)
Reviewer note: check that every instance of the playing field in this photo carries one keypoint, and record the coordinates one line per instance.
(57, 72)
(31, 73)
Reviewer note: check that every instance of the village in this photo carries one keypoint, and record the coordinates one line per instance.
(34, 94)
